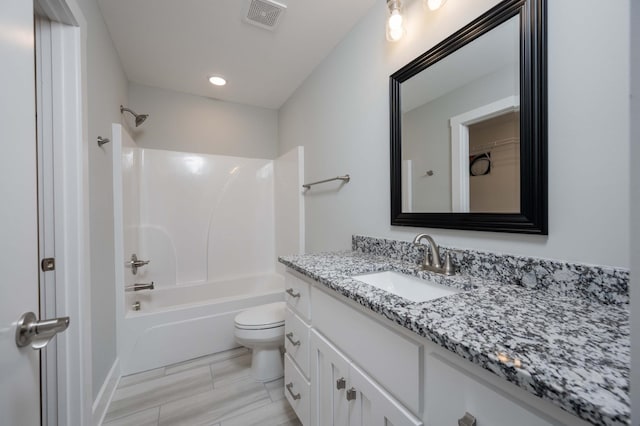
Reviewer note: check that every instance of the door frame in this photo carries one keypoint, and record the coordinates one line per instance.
(460, 146)
(68, 35)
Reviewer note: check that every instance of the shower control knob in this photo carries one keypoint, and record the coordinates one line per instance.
(134, 263)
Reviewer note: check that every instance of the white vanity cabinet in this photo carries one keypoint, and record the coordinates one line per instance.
(296, 345)
(354, 367)
(342, 394)
(452, 391)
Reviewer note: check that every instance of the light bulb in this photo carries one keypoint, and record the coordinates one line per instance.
(395, 20)
(395, 34)
(434, 4)
(395, 29)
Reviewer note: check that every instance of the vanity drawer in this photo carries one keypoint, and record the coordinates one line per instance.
(296, 340)
(297, 295)
(297, 390)
(392, 359)
(451, 392)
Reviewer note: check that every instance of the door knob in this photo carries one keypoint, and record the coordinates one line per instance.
(30, 331)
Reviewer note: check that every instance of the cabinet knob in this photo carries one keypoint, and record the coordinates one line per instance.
(467, 420)
(351, 394)
(341, 383)
(292, 293)
(290, 338)
(295, 396)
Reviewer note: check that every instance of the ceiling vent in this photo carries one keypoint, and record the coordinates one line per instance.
(264, 13)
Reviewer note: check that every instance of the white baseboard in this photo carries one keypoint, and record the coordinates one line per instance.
(105, 395)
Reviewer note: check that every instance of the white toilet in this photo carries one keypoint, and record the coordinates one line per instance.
(262, 329)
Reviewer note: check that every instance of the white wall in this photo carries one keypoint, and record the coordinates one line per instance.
(107, 89)
(635, 211)
(288, 172)
(182, 122)
(341, 116)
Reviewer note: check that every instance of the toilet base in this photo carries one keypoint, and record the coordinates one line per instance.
(266, 364)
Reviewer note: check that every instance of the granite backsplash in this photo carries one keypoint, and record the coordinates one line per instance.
(598, 283)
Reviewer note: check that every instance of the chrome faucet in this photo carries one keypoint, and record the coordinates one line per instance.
(139, 286)
(433, 263)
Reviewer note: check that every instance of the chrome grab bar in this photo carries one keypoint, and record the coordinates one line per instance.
(345, 178)
(290, 338)
(295, 396)
(292, 293)
(140, 286)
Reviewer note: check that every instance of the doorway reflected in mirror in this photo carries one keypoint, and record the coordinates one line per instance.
(494, 165)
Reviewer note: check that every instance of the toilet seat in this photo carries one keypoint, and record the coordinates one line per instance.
(261, 317)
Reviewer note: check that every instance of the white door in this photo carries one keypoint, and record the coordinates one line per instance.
(19, 367)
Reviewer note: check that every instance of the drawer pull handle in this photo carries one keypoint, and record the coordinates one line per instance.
(292, 293)
(295, 396)
(290, 338)
(467, 420)
(341, 383)
(351, 394)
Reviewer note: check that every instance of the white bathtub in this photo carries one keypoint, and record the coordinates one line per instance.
(184, 322)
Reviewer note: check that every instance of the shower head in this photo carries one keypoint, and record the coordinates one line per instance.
(139, 117)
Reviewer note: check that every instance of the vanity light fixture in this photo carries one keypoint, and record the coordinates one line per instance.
(395, 21)
(433, 4)
(395, 27)
(217, 80)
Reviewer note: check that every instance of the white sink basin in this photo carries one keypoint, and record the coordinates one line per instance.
(406, 286)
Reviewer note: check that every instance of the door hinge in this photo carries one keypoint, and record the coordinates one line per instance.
(48, 264)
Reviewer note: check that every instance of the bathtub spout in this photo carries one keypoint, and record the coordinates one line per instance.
(139, 286)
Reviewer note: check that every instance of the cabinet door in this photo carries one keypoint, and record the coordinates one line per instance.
(452, 392)
(329, 381)
(371, 405)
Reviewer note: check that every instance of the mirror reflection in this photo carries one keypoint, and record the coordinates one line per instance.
(460, 121)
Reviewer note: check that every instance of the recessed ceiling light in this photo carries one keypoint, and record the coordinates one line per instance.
(217, 81)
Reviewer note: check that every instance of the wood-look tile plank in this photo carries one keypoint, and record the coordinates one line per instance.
(206, 360)
(212, 407)
(158, 391)
(140, 377)
(273, 414)
(143, 418)
(230, 370)
(294, 422)
(275, 389)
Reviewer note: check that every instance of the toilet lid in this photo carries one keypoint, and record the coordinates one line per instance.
(265, 316)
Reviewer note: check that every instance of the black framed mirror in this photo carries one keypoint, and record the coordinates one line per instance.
(469, 127)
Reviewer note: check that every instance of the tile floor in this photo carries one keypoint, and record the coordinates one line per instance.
(215, 390)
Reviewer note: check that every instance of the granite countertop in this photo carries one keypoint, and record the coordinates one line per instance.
(570, 351)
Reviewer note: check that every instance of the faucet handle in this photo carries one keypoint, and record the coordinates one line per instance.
(448, 266)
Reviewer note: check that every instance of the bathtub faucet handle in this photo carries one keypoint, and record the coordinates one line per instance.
(134, 263)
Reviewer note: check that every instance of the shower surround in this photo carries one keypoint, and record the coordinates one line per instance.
(204, 218)
(207, 225)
